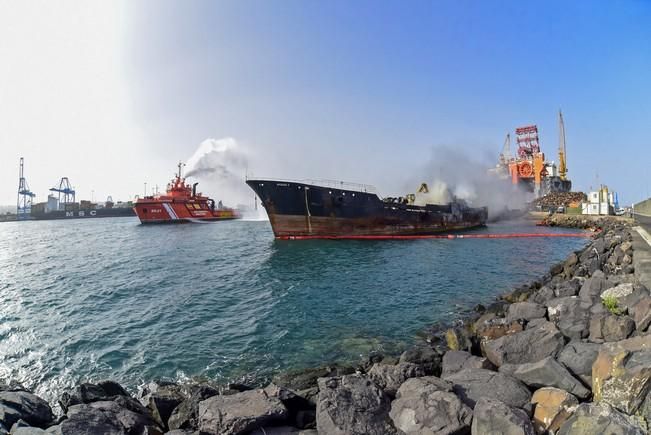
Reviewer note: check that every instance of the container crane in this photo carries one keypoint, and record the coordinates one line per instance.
(562, 164)
(505, 156)
(66, 189)
(25, 196)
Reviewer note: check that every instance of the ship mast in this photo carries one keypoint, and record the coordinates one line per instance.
(181, 164)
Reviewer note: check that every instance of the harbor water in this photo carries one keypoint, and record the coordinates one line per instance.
(85, 300)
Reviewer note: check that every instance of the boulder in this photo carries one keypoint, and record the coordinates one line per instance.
(352, 405)
(610, 327)
(300, 410)
(131, 421)
(569, 288)
(494, 417)
(553, 407)
(424, 356)
(23, 405)
(591, 419)
(456, 360)
(578, 357)
(163, 401)
(542, 295)
(458, 339)
(570, 315)
(546, 373)
(305, 379)
(530, 345)
(240, 413)
(642, 314)
(390, 377)
(593, 286)
(184, 416)
(498, 327)
(88, 393)
(86, 420)
(427, 406)
(526, 311)
(621, 375)
(112, 388)
(473, 384)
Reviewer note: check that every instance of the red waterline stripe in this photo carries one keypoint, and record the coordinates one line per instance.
(440, 236)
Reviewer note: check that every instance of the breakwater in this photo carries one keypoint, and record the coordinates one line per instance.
(567, 352)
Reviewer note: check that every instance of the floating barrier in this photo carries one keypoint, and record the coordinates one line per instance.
(441, 236)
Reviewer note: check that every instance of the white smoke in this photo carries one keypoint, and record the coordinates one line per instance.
(220, 166)
(452, 173)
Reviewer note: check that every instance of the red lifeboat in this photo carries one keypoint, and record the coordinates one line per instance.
(181, 203)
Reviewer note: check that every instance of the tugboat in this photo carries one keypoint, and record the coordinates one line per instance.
(180, 204)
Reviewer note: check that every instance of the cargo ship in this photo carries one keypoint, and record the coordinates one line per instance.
(181, 204)
(333, 210)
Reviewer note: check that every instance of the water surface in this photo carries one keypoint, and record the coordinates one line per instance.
(109, 298)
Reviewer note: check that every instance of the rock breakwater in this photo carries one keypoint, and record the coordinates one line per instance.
(567, 354)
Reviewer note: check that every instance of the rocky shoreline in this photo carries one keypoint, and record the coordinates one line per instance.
(569, 353)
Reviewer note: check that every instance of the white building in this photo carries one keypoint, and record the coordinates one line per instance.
(600, 202)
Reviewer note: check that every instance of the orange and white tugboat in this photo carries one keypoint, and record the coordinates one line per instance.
(181, 203)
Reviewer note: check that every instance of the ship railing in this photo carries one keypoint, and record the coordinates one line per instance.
(333, 184)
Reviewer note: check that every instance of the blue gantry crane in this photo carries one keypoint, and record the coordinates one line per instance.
(25, 196)
(66, 189)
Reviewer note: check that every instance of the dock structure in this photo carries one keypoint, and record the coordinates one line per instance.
(25, 196)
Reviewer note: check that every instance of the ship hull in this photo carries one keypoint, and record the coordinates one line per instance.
(159, 212)
(298, 210)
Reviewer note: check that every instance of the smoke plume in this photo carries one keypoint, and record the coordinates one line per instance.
(451, 173)
(220, 166)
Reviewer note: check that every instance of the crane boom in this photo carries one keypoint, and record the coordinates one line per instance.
(562, 164)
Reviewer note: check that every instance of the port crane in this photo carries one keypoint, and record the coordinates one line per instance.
(25, 196)
(562, 164)
(66, 189)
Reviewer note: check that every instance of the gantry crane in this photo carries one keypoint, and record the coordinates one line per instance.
(562, 164)
(25, 196)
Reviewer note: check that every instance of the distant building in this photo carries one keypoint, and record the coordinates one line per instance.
(600, 202)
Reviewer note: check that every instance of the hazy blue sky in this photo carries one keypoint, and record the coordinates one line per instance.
(114, 94)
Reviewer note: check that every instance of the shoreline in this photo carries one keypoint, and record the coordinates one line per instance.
(542, 387)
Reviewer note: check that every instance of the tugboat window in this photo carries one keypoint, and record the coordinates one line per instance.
(144, 210)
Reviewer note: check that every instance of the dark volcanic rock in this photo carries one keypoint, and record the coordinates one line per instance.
(592, 419)
(22, 405)
(427, 406)
(163, 401)
(353, 405)
(494, 417)
(642, 314)
(578, 357)
(530, 345)
(390, 377)
(593, 287)
(610, 327)
(132, 422)
(85, 420)
(457, 360)
(240, 413)
(424, 356)
(570, 315)
(473, 384)
(184, 416)
(525, 310)
(547, 373)
(307, 378)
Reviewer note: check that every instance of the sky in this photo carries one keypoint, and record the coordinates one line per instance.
(114, 94)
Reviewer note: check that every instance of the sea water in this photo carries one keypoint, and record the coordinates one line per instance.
(84, 300)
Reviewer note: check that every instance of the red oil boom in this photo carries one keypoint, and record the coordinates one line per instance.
(443, 236)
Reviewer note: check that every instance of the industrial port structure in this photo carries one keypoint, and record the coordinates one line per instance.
(62, 204)
(529, 169)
